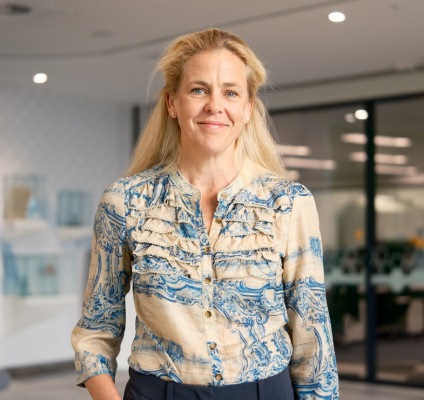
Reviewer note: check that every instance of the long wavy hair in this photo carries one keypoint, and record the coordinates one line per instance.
(159, 143)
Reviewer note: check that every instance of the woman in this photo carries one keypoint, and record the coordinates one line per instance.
(223, 250)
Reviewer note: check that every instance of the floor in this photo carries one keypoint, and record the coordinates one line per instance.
(397, 360)
(61, 386)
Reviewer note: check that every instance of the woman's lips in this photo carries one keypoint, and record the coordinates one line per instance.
(212, 124)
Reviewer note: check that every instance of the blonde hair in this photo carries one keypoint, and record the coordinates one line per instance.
(160, 142)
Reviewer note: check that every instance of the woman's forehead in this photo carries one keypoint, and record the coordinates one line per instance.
(221, 64)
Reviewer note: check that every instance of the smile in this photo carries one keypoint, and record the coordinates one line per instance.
(212, 124)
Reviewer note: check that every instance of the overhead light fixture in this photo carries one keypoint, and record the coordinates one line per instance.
(361, 114)
(395, 170)
(350, 118)
(391, 141)
(40, 78)
(397, 159)
(390, 159)
(387, 141)
(356, 138)
(284, 150)
(336, 16)
(359, 156)
(309, 163)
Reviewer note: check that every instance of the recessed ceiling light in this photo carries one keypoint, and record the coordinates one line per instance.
(357, 138)
(391, 141)
(361, 114)
(286, 150)
(397, 159)
(336, 17)
(359, 156)
(309, 163)
(350, 118)
(395, 170)
(40, 78)
(387, 141)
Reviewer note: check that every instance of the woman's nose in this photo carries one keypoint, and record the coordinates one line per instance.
(214, 104)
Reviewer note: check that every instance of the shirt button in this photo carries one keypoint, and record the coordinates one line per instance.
(224, 195)
(218, 377)
(208, 280)
(218, 220)
(208, 314)
(212, 346)
(207, 249)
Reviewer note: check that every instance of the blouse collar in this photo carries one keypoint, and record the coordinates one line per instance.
(186, 188)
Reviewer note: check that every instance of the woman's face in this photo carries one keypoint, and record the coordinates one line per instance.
(212, 103)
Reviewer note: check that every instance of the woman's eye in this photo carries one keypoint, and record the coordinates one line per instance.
(198, 91)
(231, 94)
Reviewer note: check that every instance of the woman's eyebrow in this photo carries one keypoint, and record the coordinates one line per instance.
(201, 83)
(226, 84)
(231, 84)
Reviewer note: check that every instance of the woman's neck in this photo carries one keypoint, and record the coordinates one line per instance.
(208, 174)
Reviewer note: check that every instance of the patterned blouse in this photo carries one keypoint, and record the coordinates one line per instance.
(236, 305)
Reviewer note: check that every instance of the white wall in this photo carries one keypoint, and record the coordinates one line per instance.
(76, 143)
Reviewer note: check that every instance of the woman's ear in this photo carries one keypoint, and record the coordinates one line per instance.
(249, 110)
(170, 105)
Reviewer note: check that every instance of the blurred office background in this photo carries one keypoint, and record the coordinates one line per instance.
(347, 104)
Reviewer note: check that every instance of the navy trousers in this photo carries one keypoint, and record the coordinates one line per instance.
(150, 387)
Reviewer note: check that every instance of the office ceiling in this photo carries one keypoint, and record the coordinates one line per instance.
(107, 49)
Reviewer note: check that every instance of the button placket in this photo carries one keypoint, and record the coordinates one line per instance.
(217, 368)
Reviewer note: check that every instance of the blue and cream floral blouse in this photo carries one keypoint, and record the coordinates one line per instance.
(236, 305)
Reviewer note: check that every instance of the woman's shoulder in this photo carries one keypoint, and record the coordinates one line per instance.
(277, 186)
(136, 181)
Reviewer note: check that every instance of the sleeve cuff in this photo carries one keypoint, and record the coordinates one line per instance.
(88, 365)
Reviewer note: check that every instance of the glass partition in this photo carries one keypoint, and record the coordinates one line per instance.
(321, 149)
(399, 255)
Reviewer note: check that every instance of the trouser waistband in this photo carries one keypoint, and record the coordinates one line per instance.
(150, 387)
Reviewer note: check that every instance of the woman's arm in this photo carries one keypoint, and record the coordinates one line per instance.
(97, 337)
(102, 387)
(313, 363)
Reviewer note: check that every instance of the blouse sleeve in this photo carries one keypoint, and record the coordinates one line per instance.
(313, 364)
(96, 339)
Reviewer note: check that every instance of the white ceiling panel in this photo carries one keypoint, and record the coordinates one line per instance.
(106, 49)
